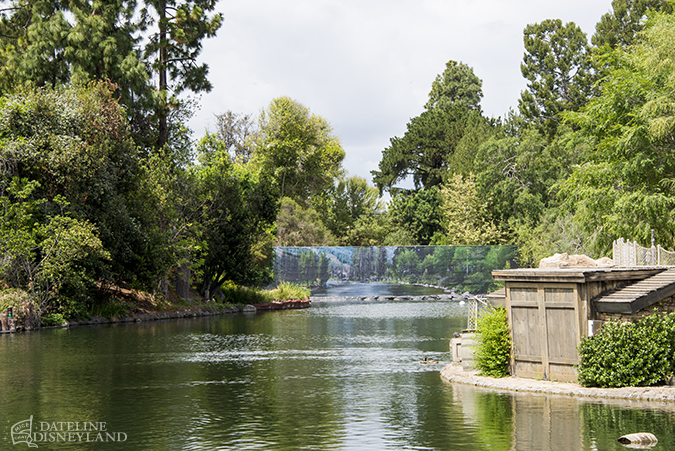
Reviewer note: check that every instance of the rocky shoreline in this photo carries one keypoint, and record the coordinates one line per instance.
(139, 316)
(456, 374)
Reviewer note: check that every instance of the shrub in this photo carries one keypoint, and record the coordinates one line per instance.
(51, 319)
(238, 295)
(638, 353)
(493, 338)
(289, 291)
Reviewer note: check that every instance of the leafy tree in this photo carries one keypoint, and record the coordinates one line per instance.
(55, 256)
(73, 147)
(240, 209)
(297, 226)
(559, 73)
(32, 33)
(50, 43)
(76, 143)
(341, 206)
(620, 27)
(518, 173)
(296, 149)
(426, 149)
(234, 131)
(42, 48)
(458, 85)
(625, 186)
(465, 215)
(417, 214)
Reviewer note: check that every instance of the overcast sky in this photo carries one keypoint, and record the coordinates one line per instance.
(367, 66)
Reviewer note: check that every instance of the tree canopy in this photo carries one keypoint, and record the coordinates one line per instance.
(559, 73)
(296, 149)
(625, 185)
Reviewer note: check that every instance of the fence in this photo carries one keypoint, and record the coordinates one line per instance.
(475, 304)
(627, 253)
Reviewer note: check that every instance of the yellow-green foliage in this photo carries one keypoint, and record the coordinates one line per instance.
(289, 291)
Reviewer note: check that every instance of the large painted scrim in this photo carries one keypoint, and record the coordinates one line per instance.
(463, 268)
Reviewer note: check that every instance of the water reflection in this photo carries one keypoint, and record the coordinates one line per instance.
(340, 375)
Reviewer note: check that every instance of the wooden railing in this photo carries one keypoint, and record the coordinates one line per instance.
(627, 253)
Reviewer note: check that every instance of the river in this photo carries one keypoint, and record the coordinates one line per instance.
(341, 375)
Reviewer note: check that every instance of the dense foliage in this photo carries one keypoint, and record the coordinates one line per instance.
(638, 353)
(101, 182)
(492, 352)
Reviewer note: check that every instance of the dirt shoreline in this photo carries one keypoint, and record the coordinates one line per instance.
(456, 374)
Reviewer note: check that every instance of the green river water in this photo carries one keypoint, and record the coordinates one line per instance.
(337, 376)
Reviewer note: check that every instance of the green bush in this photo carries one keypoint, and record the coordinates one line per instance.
(638, 353)
(289, 291)
(238, 295)
(51, 319)
(493, 339)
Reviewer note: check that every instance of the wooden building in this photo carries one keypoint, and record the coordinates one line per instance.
(551, 310)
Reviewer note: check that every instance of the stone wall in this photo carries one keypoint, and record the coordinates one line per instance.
(664, 307)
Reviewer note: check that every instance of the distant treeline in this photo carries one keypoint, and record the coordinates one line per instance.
(464, 268)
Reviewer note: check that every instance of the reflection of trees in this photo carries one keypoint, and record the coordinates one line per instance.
(604, 423)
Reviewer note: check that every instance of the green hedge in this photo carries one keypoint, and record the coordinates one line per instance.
(638, 353)
(493, 350)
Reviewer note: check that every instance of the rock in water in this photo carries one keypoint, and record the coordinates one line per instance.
(642, 439)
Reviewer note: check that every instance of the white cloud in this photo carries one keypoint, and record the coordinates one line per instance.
(367, 65)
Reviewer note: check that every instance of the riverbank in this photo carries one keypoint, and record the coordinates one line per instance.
(456, 374)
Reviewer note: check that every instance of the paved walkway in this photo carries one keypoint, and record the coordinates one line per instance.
(455, 373)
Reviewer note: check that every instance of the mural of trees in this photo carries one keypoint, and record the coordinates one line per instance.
(462, 268)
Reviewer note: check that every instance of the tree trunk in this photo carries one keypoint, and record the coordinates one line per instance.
(162, 107)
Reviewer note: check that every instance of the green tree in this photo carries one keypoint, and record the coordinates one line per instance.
(624, 188)
(417, 214)
(41, 47)
(426, 149)
(178, 29)
(559, 73)
(342, 204)
(518, 173)
(443, 138)
(50, 43)
(74, 148)
(465, 215)
(298, 226)
(458, 85)
(240, 208)
(76, 143)
(56, 257)
(296, 149)
(620, 26)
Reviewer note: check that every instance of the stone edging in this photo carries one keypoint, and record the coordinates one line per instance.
(455, 373)
(136, 317)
